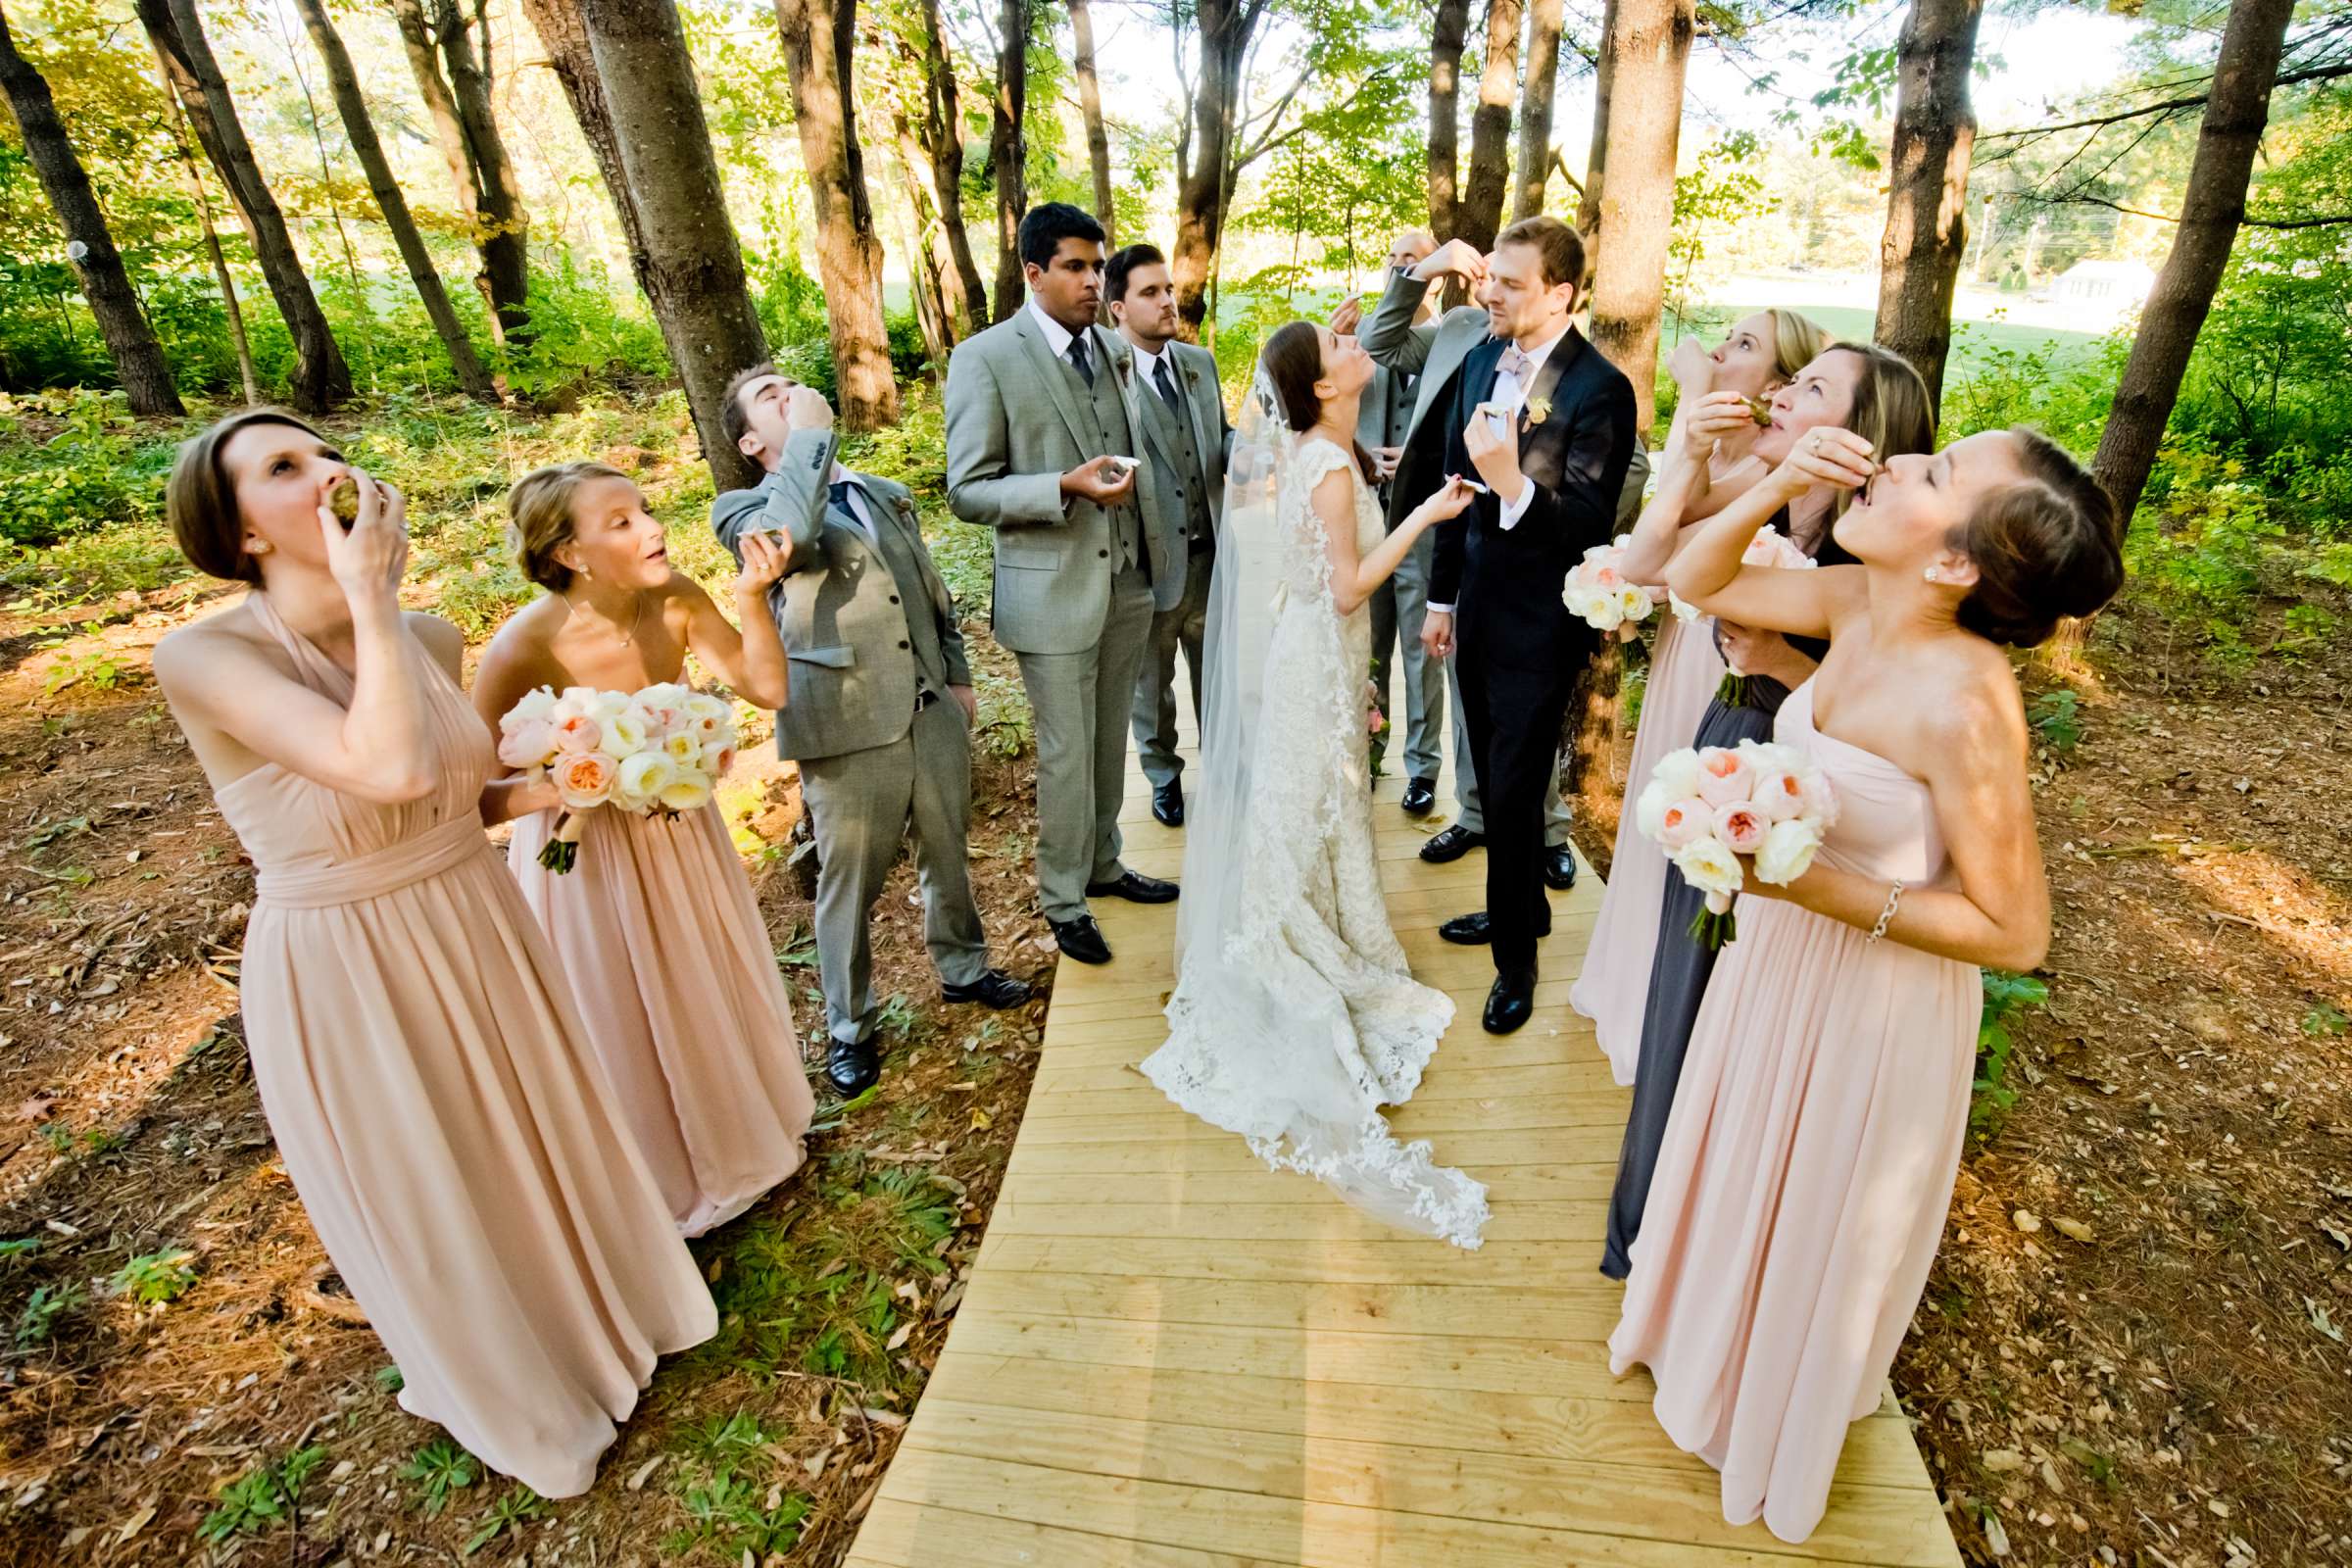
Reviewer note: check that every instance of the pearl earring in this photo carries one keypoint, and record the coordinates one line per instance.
(1932, 576)
(260, 547)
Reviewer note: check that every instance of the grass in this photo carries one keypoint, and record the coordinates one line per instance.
(1973, 342)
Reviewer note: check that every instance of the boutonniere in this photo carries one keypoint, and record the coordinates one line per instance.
(1191, 377)
(1538, 409)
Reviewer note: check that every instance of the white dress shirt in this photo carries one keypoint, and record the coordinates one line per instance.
(1058, 336)
(1510, 395)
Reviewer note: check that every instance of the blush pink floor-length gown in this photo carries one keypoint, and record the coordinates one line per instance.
(665, 951)
(436, 1104)
(1613, 986)
(1805, 1172)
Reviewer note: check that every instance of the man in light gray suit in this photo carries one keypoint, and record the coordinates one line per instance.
(1043, 438)
(1186, 436)
(1397, 337)
(1384, 418)
(881, 707)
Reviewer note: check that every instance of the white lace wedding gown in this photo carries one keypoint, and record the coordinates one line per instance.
(1299, 1018)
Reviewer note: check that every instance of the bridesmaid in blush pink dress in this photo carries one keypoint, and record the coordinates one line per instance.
(655, 923)
(424, 1074)
(1705, 458)
(1801, 1185)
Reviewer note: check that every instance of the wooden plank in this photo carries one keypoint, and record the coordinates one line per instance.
(1644, 1502)
(1310, 1534)
(1170, 1355)
(1590, 1431)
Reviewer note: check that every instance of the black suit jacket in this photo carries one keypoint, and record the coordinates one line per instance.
(1505, 584)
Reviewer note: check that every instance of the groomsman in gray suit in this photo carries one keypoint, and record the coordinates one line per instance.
(1042, 436)
(1187, 437)
(1397, 337)
(1398, 606)
(881, 707)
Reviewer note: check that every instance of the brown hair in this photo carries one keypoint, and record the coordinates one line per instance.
(1292, 359)
(540, 509)
(2044, 549)
(1560, 247)
(200, 499)
(732, 422)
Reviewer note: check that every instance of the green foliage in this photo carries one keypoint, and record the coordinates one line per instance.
(436, 1470)
(2325, 1021)
(153, 1279)
(43, 1309)
(259, 1499)
(2004, 994)
(2053, 716)
(75, 466)
(517, 1506)
(1723, 187)
(579, 335)
(737, 1518)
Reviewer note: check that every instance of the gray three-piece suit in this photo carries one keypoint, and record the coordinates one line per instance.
(1076, 582)
(1186, 436)
(871, 640)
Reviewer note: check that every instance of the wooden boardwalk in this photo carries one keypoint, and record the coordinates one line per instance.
(1169, 1357)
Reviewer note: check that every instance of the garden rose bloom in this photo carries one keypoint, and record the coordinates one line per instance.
(1684, 822)
(535, 705)
(624, 736)
(1723, 776)
(1741, 826)
(1778, 794)
(585, 779)
(689, 792)
(1634, 602)
(578, 733)
(718, 759)
(1787, 852)
(683, 749)
(1676, 773)
(1650, 810)
(1711, 868)
(528, 744)
(644, 776)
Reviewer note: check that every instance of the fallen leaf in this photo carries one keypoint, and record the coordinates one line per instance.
(2073, 1228)
(981, 1120)
(644, 1473)
(2000, 1461)
(134, 1524)
(905, 1332)
(2025, 1219)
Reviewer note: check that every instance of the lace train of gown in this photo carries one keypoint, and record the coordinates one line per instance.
(1305, 1019)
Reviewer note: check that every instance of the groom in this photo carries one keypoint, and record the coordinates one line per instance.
(1043, 447)
(1547, 425)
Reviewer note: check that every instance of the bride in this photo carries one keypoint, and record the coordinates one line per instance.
(1294, 1017)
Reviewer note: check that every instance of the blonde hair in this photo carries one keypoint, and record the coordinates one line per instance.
(1796, 342)
(540, 520)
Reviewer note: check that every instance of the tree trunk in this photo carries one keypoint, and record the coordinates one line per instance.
(820, 40)
(693, 272)
(1446, 37)
(1008, 150)
(2212, 207)
(1205, 195)
(344, 82)
(1650, 42)
(1090, 108)
(1588, 209)
(503, 229)
(440, 105)
(1927, 196)
(942, 134)
(1588, 738)
(230, 307)
(89, 244)
(320, 378)
(953, 308)
(1535, 107)
(565, 37)
(1481, 212)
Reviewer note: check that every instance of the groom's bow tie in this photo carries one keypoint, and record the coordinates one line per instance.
(1514, 363)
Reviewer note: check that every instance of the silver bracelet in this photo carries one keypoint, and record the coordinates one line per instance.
(1894, 896)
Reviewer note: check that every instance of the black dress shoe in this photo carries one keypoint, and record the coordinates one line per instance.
(1135, 888)
(1477, 930)
(1420, 794)
(1081, 939)
(851, 1068)
(1452, 845)
(1559, 867)
(1510, 1003)
(1167, 805)
(994, 989)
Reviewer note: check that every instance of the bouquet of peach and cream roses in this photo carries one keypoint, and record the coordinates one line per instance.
(659, 751)
(1709, 807)
(1597, 592)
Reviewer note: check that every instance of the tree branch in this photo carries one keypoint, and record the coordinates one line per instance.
(2249, 220)
(2168, 106)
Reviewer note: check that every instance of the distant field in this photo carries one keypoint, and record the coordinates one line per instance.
(1973, 338)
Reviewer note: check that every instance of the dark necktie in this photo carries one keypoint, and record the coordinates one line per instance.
(1080, 359)
(839, 490)
(1164, 383)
